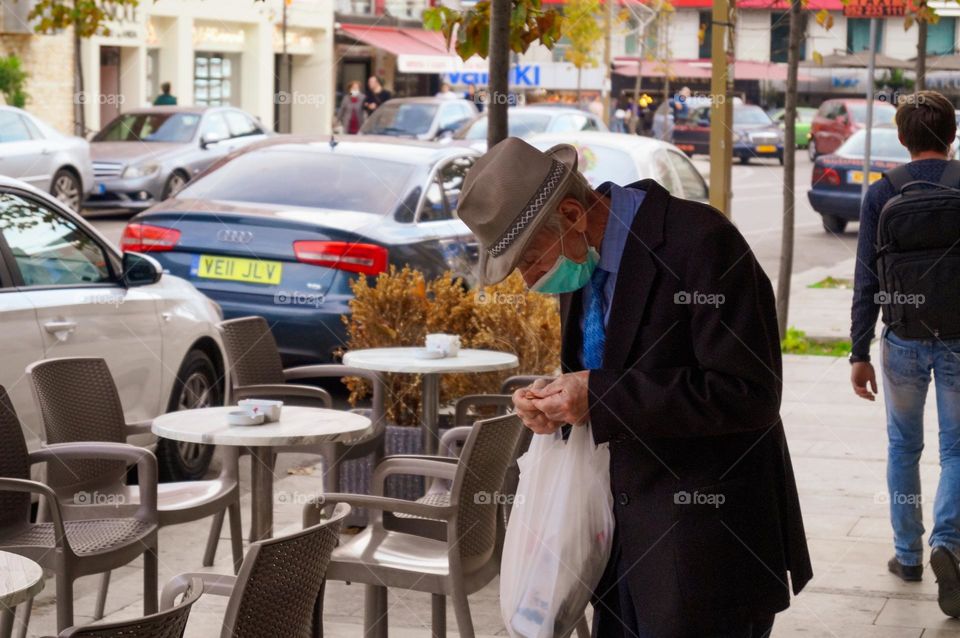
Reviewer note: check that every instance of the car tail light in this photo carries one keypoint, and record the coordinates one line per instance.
(826, 175)
(144, 238)
(368, 259)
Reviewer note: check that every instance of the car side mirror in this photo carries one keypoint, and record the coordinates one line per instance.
(140, 270)
(209, 139)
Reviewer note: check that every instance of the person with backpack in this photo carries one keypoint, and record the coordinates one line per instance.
(908, 267)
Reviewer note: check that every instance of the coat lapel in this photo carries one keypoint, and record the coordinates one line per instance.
(638, 270)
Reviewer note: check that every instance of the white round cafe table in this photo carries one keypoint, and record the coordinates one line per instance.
(20, 580)
(405, 361)
(297, 426)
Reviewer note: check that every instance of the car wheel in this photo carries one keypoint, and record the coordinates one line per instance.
(175, 182)
(196, 387)
(66, 188)
(812, 150)
(780, 157)
(834, 224)
(744, 159)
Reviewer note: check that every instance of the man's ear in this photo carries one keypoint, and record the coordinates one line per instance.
(571, 208)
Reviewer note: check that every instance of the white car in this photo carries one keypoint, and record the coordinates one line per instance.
(43, 157)
(65, 291)
(624, 159)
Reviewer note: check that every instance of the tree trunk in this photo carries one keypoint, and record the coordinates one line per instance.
(789, 169)
(79, 96)
(499, 71)
(921, 54)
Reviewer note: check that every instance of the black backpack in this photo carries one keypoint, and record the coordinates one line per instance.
(918, 255)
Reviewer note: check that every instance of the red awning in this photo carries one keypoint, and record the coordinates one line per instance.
(768, 5)
(742, 69)
(398, 41)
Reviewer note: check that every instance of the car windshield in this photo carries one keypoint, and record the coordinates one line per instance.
(884, 145)
(333, 180)
(150, 127)
(882, 113)
(403, 118)
(750, 115)
(519, 125)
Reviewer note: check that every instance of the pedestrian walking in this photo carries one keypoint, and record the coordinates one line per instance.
(670, 351)
(913, 279)
(165, 98)
(376, 94)
(446, 92)
(351, 113)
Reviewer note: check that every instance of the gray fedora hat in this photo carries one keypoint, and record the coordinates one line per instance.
(508, 195)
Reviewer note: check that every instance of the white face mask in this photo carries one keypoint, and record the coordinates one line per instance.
(354, 92)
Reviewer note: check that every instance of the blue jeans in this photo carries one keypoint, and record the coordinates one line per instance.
(907, 366)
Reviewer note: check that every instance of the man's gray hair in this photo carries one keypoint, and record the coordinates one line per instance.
(580, 190)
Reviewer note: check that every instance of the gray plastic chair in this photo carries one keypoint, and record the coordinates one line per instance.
(95, 538)
(78, 401)
(169, 623)
(279, 584)
(463, 562)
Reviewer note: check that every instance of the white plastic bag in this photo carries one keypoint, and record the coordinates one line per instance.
(559, 536)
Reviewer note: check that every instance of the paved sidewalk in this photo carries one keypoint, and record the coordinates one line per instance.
(838, 444)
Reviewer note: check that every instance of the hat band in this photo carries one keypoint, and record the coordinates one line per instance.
(545, 190)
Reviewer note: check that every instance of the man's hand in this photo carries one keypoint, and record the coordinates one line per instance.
(861, 374)
(528, 412)
(564, 399)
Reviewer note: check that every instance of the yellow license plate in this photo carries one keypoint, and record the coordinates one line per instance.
(254, 271)
(856, 177)
(766, 148)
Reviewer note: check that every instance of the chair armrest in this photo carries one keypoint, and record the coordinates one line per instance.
(35, 487)
(139, 427)
(451, 438)
(144, 458)
(312, 510)
(282, 390)
(435, 467)
(464, 403)
(216, 584)
(521, 381)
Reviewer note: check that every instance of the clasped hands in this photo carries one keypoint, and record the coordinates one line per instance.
(546, 405)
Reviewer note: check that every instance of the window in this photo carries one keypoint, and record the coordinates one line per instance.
(215, 127)
(705, 35)
(13, 128)
(50, 250)
(780, 36)
(569, 123)
(858, 36)
(450, 116)
(665, 174)
(241, 125)
(150, 127)
(828, 110)
(689, 177)
(942, 36)
(212, 79)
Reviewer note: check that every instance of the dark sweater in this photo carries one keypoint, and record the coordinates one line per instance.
(866, 282)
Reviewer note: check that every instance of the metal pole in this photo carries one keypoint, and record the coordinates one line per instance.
(607, 79)
(871, 67)
(721, 109)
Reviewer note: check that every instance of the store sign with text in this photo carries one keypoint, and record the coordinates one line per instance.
(874, 8)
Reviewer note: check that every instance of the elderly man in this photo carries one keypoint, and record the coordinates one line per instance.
(670, 352)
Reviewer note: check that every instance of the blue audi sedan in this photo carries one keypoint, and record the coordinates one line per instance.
(282, 227)
(837, 178)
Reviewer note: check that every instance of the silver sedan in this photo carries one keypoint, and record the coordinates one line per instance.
(33, 151)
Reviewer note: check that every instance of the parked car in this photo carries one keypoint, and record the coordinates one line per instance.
(524, 121)
(422, 118)
(66, 291)
(801, 125)
(288, 249)
(624, 159)
(664, 120)
(837, 178)
(33, 151)
(838, 119)
(144, 156)
(755, 135)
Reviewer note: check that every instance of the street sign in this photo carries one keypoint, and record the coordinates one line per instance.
(874, 8)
